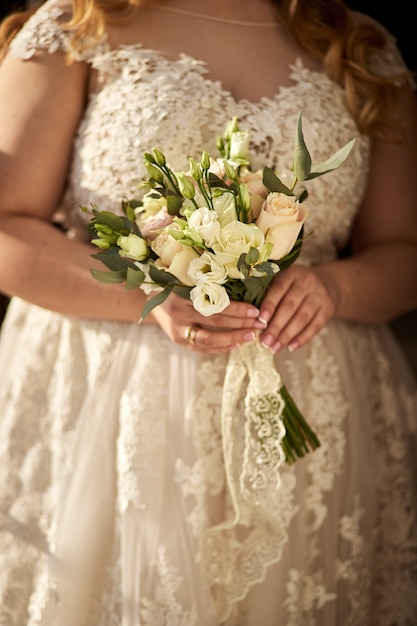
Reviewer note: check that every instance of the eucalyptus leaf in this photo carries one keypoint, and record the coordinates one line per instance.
(109, 278)
(252, 256)
(184, 292)
(174, 203)
(161, 277)
(273, 183)
(155, 301)
(112, 260)
(333, 162)
(134, 278)
(302, 158)
(115, 222)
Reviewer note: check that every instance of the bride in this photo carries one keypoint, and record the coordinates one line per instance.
(116, 505)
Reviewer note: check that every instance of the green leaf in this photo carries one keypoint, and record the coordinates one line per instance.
(155, 301)
(109, 278)
(302, 158)
(174, 203)
(252, 256)
(333, 162)
(183, 292)
(113, 261)
(161, 277)
(134, 278)
(115, 222)
(273, 183)
(214, 181)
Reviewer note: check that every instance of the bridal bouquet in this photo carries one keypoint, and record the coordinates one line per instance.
(217, 233)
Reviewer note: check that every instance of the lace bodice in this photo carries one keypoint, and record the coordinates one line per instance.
(146, 100)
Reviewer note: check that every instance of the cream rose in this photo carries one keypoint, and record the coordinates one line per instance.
(209, 298)
(257, 192)
(179, 265)
(237, 238)
(281, 219)
(151, 225)
(166, 247)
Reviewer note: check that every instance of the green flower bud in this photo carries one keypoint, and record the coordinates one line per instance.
(195, 169)
(149, 158)
(244, 196)
(154, 173)
(159, 157)
(231, 128)
(185, 185)
(205, 160)
(229, 170)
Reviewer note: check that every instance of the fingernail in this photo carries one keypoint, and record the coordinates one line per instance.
(276, 347)
(252, 312)
(249, 336)
(260, 325)
(265, 318)
(293, 346)
(267, 341)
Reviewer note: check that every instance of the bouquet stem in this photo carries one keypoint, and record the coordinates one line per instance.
(299, 438)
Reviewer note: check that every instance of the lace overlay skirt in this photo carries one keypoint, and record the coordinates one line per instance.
(112, 477)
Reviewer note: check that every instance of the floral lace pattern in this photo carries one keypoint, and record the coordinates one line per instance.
(145, 416)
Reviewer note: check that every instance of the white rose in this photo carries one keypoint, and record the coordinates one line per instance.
(133, 247)
(207, 267)
(206, 224)
(209, 298)
(225, 208)
(281, 219)
(237, 238)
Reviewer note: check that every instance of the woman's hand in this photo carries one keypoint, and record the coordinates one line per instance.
(217, 333)
(297, 305)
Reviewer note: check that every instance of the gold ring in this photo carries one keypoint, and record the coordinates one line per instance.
(190, 334)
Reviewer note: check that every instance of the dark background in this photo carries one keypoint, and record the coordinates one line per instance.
(400, 18)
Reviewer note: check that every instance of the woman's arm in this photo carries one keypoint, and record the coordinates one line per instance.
(41, 103)
(379, 281)
(40, 106)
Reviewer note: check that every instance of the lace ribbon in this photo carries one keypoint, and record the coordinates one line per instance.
(237, 552)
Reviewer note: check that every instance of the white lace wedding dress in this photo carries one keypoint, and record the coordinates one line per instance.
(112, 473)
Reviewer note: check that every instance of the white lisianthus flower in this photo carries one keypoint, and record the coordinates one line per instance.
(133, 247)
(239, 145)
(205, 222)
(207, 267)
(237, 238)
(225, 208)
(209, 298)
